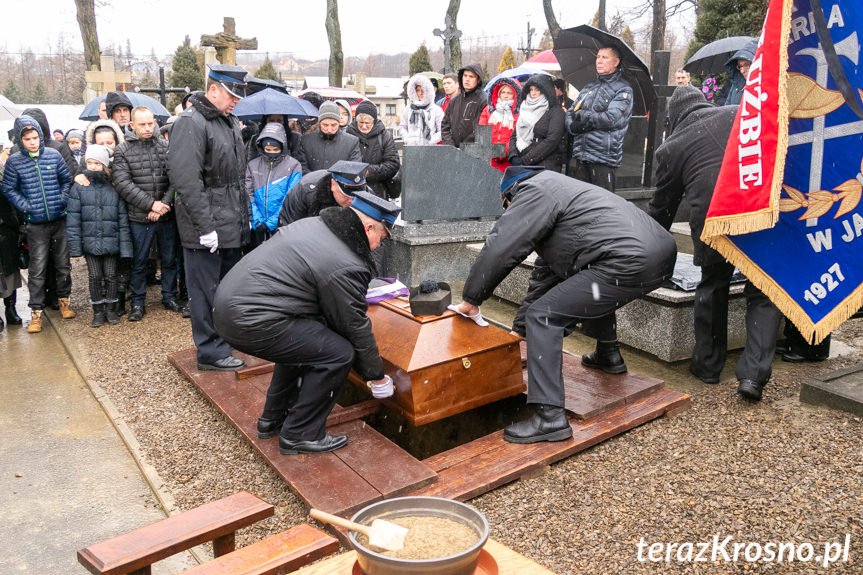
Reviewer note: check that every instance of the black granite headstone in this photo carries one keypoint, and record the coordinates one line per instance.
(842, 389)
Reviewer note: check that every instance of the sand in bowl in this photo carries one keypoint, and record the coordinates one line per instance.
(429, 537)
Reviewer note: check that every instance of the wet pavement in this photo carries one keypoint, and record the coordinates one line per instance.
(67, 478)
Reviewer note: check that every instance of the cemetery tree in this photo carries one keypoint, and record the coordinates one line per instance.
(11, 91)
(722, 18)
(86, 14)
(267, 71)
(551, 20)
(454, 43)
(599, 17)
(419, 61)
(334, 35)
(546, 43)
(507, 61)
(39, 96)
(185, 71)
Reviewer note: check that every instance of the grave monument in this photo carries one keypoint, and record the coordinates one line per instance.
(100, 82)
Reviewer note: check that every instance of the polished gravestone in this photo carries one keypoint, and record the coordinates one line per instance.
(842, 389)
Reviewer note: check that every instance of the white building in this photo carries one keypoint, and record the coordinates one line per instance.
(385, 93)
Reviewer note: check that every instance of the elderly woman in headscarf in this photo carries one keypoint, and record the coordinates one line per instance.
(421, 120)
(501, 114)
(539, 135)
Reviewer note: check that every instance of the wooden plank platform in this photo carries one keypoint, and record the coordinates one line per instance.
(600, 406)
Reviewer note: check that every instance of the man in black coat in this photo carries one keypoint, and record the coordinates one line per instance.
(324, 147)
(207, 167)
(688, 165)
(598, 252)
(335, 186)
(140, 173)
(298, 300)
(465, 108)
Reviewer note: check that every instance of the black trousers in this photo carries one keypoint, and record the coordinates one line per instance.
(312, 364)
(589, 298)
(204, 271)
(42, 239)
(597, 174)
(711, 327)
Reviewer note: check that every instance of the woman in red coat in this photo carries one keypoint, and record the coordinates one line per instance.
(501, 114)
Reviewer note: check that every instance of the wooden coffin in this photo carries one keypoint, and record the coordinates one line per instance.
(442, 365)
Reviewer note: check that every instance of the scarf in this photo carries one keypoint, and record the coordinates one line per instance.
(420, 117)
(502, 114)
(532, 109)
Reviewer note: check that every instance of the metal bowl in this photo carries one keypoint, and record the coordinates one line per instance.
(463, 563)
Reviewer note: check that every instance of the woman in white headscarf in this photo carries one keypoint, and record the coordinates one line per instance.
(421, 119)
(539, 135)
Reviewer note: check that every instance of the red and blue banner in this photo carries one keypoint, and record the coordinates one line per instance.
(786, 208)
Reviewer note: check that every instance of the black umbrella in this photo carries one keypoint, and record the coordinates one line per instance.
(576, 50)
(710, 59)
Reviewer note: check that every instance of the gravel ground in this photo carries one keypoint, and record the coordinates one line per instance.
(770, 472)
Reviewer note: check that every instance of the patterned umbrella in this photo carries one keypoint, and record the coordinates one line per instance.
(545, 60)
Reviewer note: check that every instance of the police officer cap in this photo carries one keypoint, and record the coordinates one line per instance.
(376, 208)
(232, 78)
(516, 173)
(351, 175)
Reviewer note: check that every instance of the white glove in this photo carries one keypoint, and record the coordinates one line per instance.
(476, 318)
(210, 241)
(382, 390)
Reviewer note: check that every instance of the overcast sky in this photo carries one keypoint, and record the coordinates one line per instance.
(368, 26)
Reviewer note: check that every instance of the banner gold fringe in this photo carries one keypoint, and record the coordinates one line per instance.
(716, 227)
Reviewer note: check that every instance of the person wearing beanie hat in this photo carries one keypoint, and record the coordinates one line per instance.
(596, 252)
(688, 165)
(75, 143)
(321, 149)
(366, 107)
(97, 227)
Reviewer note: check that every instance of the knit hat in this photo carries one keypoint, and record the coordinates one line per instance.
(270, 142)
(328, 110)
(684, 100)
(366, 107)
(73, 133)
(99, 153)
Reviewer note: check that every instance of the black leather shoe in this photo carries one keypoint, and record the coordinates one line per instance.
(136, 313)
(171, 305)
(709, 379)
(229, 363)
(750, 389)
(328, 443)
(548, 423)
(269, 427)
(606, 357)
(111, 313)
(186, 311)
(793, 357)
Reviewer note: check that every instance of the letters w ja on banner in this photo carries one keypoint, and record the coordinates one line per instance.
(786, 209)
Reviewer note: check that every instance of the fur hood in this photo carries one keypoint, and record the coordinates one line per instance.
(545, 85)
(205, 108)
(428, 90)
(26, 122)
(495, 88)
(91, 131)
(348, 227)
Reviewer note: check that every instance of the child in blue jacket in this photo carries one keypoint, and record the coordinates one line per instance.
(36, 182)
(98, 228)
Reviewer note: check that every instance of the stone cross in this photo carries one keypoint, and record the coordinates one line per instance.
(227, 42)
(106, 80)
(482, 147)
(448, 33)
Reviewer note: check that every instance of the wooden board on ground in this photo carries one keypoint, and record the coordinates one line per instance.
(340, 482)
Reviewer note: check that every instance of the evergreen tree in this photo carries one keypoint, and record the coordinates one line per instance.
(39, 96)
(722, 18)
(507, 61)
(628, 37)
(185, 72)
(419, 61)
(11, 91)
(546, 43)
(267, 70)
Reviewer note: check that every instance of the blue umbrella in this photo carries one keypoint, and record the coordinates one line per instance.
(519, 73)
(91, 110)
(270, 101)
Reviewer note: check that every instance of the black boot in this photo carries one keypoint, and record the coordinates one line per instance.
(98, 315)
(111, 313)
(548, 423)
(606, 357)
(121, 303)
(12, 317)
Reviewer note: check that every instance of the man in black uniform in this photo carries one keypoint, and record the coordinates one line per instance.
(321, 189)
(207, 166)
(688, 165)
(596, 253)
(298, 300)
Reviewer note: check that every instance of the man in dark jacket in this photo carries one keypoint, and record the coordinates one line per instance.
(298, 300)
(140, 171)
(688, 164)
(598, 121)
(598, 252)
(321, 149)
(324, 189)
(464, 109)
(207, 164)
(119, 108)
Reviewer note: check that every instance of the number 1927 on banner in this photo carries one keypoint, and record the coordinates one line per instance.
(818, 291)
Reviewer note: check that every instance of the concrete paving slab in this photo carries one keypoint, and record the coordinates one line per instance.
(842, 389)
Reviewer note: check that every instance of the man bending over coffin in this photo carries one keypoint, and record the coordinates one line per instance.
(596, 253)
(298, 300)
